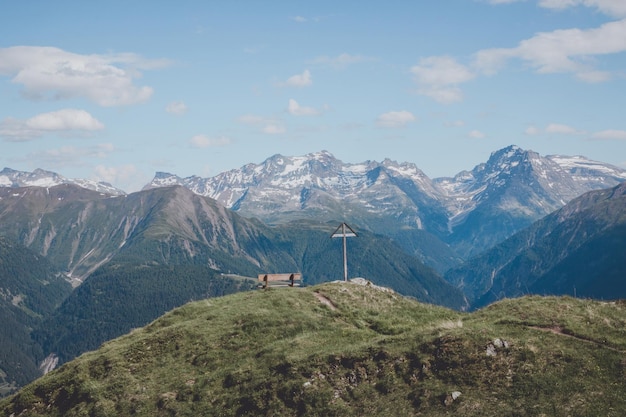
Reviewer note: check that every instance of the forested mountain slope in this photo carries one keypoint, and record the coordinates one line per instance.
(578, 250)
(30, 289)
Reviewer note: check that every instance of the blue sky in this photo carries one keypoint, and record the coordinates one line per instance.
(118, 90)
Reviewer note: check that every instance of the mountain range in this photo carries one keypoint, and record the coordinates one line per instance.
(578, 250)
(134, 257)
(42, 178)
(470, 212)
(519, 223)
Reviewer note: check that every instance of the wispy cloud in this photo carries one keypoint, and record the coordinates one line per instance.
(341, 61)
(532, 131)
(561, 129)
(115, 174)
(553, 129)
(438, 77)
(176, 107)
(204, 141)
(296, 109)
(569, 51)
(298, 80)
(274, 129)
(561, 51)
(566, 130)
(476, 134)
(616, 8)
(454, 123)
(69, 122)
(266, 125)
(395, 119)
(67, 156)
(305, 19)
(503, 1)
(52, 73)
(610, 134)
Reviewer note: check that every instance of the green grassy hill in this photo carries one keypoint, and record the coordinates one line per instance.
(345, 349)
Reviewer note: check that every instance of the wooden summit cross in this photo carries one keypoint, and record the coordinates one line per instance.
(344, 231)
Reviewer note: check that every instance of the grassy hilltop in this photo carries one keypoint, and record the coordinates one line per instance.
(346, 349)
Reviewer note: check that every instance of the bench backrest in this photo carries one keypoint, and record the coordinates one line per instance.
(291, 278)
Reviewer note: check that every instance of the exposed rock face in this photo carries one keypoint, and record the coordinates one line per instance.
(49, 364)
(41, 178)
(471, 211)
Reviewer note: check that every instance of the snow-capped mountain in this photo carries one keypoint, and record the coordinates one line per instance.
(319, 185)
(41, 178)
(472, 211)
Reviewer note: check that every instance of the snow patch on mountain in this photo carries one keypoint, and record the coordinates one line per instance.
(41, 178)
(512, 180)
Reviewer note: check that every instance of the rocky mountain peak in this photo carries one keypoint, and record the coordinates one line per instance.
(519, 182)
(42, 178)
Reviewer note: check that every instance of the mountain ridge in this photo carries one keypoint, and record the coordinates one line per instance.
(576, 250)
(30, 289)
(42, 178)
(471, 211)
(348, 350)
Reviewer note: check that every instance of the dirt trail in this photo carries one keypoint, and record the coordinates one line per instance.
(325, 301)
(559, 331)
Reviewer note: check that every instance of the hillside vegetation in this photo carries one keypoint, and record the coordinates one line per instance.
(30, 289)
(577, 250)
(344, 349)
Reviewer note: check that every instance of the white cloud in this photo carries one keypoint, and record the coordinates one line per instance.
(553, 129)
(441, 70)
(250, 119)
(265, 125)
(203, 141)
(441, 94)
(395, 119)
(561, 129)
(303, 19)
(438, 77)
(609, 135)
(299, 80)
(296, 109)
(532, 131)
(65, 121)
(341, 61)
(48, 72)
(561, 51)
(114, 175)
(615, 8)
(476, 134)
(176, 107)
(454, 123)
(69, 155)
(274, 129)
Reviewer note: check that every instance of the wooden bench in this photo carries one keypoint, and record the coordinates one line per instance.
(281, 280)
